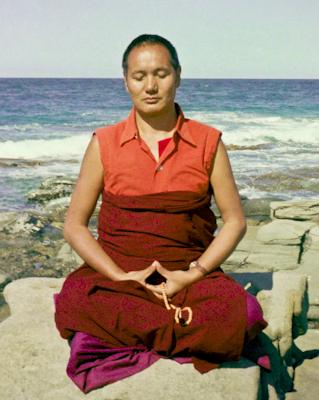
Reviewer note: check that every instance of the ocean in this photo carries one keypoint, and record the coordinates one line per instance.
(270, 126)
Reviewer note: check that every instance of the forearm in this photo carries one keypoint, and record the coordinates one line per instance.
(86, 246)
(220, 248)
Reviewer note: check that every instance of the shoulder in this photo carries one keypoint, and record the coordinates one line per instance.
(107, 138)
(201, 129)
(108, 130)
(207, 137)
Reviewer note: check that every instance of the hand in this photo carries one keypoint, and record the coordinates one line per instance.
(175, 281)
(140, 275)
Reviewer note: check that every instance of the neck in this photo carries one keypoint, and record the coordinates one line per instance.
(156, 124)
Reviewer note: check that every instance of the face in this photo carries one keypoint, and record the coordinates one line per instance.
(151, 80)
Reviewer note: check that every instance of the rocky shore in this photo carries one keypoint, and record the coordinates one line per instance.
(282, 240)
(32, 243)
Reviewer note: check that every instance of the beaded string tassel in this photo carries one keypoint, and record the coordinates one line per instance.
(178, 310)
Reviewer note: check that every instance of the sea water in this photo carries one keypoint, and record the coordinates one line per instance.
(274, 125)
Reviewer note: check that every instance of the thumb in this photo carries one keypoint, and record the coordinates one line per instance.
(155, 262)
(151, 268)
(163, 271)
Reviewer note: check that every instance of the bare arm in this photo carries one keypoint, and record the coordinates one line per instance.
(83, 201)
(228, 201)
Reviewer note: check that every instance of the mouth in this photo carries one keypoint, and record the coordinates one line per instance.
(151, 99)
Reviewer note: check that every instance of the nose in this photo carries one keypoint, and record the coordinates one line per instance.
(151, 84)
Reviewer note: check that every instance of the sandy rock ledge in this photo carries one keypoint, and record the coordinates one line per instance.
(34, 359)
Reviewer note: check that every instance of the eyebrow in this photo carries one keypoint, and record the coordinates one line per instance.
(157, 69)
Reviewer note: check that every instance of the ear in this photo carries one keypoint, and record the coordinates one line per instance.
(178, 76)
(125, 83)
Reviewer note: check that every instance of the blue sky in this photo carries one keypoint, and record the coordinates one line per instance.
(214, 39)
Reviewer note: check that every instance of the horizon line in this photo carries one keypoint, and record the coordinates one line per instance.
(183, 78)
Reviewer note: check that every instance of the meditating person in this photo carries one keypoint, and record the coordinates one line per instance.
(152, 284)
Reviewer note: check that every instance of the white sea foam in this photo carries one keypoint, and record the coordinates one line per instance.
(244, 128)
(63, 148)
(34, 126)
(288, 138)
(253, 193)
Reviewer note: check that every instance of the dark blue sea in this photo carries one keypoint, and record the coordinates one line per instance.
(271, 128)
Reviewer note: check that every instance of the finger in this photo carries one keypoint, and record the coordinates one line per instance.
(163, 271)
(154, 263)
(155, 293)
(158, 296)
(154, 288)
(159, 289)
(150, 269)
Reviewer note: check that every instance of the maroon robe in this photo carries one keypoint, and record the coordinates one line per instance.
(173, 228)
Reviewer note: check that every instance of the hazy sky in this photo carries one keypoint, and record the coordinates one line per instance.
(214, 39)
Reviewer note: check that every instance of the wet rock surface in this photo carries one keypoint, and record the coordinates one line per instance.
(52, 188)
(31, 240)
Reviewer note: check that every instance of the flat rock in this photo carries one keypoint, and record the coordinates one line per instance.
(284, 232)
(252, 254)
(34, 359)
(303, 210)
(274, 257)
(34, 356)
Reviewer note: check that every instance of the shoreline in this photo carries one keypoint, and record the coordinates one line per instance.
(254, 181)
